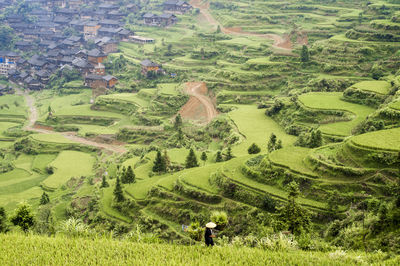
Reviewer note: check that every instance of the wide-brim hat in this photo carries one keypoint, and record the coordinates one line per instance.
(211, 225)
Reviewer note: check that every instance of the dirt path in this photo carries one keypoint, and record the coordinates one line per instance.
(199, 107)
(279, 42)
(33, 116)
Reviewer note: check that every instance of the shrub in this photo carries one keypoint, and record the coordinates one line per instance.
(195, 231)
(220, 218)
(253, 149)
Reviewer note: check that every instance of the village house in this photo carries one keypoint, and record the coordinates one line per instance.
(8, 61)
(43, 76)
(140, 39)
(176, 6)
(97, 81)
(23, 46)
(148, 65)
(162, 20)
(83, 66)
(108, 23)
(32, 83)
(95, 56)
(90, 29)
(107, 45)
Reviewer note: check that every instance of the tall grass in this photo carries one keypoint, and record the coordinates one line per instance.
(19, 249)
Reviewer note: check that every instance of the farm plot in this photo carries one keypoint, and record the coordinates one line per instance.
(256, 128)
(52, 138)
(377, 86)
(127, 97)
(12, 106)
(332, 101)
(6, 125)
(69, 164)
(293, 159)
(381, 140)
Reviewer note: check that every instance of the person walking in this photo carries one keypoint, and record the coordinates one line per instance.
(209, 235)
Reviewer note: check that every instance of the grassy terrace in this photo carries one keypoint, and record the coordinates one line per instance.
(380, 140)
(332, 101)
(69, 164)
(377, 86)
(292, 158)
(53, 138)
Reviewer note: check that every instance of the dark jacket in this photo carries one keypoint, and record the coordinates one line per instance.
(208, 238)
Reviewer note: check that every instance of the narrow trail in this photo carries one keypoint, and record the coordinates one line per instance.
(282, 43)
(199, 106)
(33, 116)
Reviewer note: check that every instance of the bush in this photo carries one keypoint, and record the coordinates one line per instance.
(253, 149)
(220, 218)
(195, 231)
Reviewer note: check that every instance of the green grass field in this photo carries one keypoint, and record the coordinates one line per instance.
(332, 101)
(69, 164)
(292, 158)
(376, 86)
(12, 105)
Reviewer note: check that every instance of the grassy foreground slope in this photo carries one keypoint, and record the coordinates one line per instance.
(37, 250)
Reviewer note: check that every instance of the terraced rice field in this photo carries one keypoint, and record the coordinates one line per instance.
(292, 158)
(377, 86)
(69, 164)
(53, 138)
(381, 140)
(332, 101)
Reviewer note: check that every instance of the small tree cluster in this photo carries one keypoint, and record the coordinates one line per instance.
(253, 149)
(23, 217)
(104, 182)
(305, 54)
(44, 199)
(127, 175)
(274, 143)
(311, 139)
(178, 121)
(3, 220)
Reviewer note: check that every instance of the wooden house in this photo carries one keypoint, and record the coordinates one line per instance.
(176, 6)
(97, 81)
(90, 29)
(148, 65)
(95, 56)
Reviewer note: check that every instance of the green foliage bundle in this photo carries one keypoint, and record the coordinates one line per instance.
(195, 231)
(23, 217)
(220, 218)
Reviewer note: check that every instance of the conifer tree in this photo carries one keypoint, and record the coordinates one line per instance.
(253, 149)
(229, 154)
(44, 199)
(204, 157)
(272, 143)
(3, 220)
(104, 182)
(292, 215)
(167, 160)
(123, 176)
(191, 160)
(305, 55)
(178, 121)
(23, 217)
(129, 175)
(218, 157)
(159, 163)
(279, 145)
(118, 194)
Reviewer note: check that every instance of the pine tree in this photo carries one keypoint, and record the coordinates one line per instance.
(218, 157)
(167, 160)
(3, 220)
(44, 199)
(272, 142)
(292, 215)
(218, 29)
(305, 55)
(191, 160)
(118, 194)
(130, 175)
(279, 145)
(204, 157)
(229, 154)
(104, 182)
(178, 121)
(253, 149)
(123, 176)
(159, 164)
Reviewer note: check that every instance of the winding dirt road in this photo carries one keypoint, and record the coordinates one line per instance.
(33, 116)
(279, 42)
(200, 107)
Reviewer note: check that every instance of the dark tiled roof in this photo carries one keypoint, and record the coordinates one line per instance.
(148, 63)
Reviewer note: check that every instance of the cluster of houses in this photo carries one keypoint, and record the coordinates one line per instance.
(170, 7)
(55, 34)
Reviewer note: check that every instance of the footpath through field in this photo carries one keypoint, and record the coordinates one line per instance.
(33, 116)
(279, 42)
